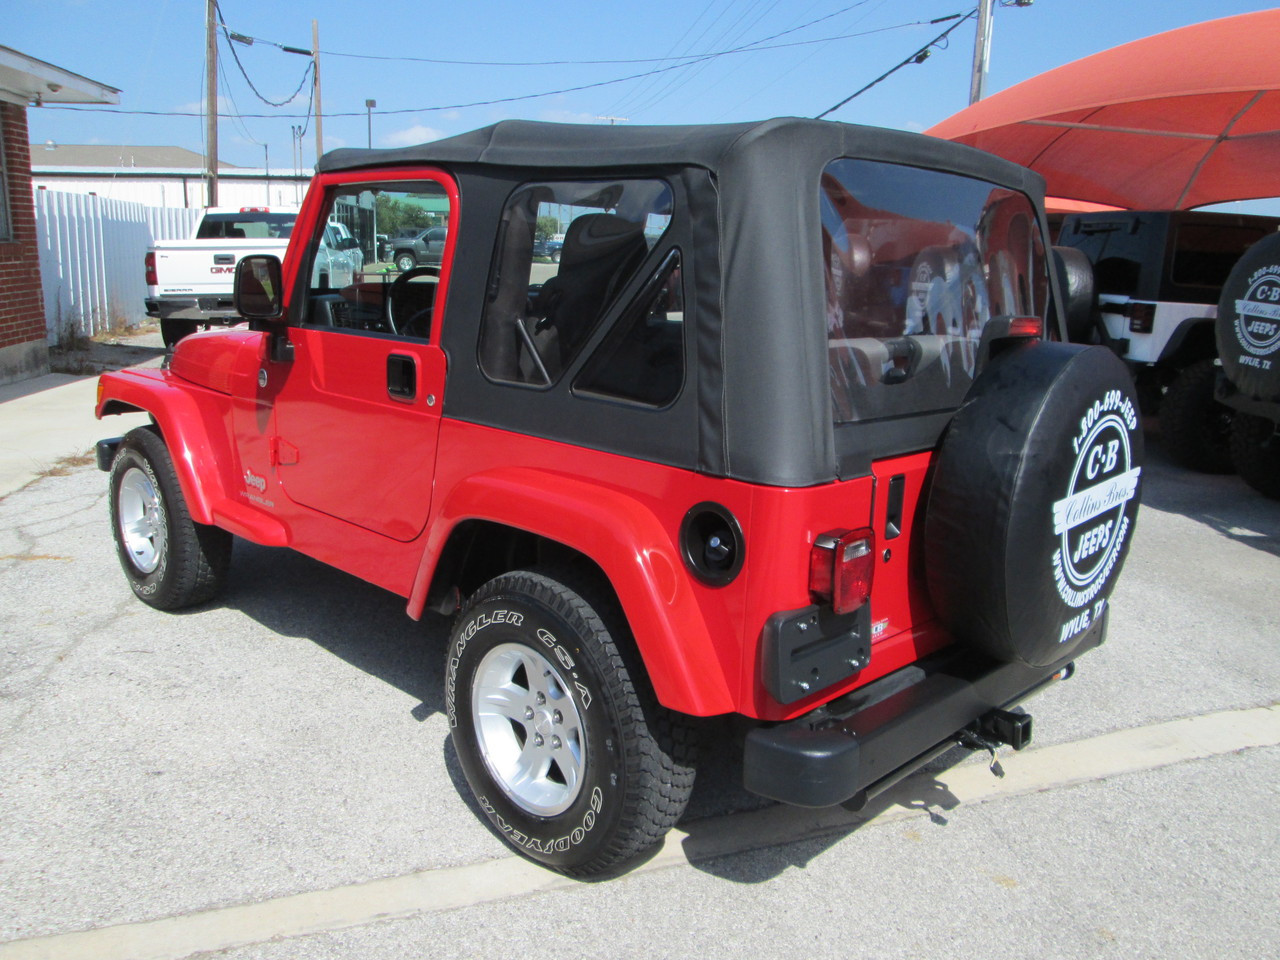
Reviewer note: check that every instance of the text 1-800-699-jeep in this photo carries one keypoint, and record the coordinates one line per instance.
(784, 434)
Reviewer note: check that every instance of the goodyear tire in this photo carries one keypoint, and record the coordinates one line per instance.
(1248, 324)
(1033, 501)
(566, 751)
(170, 561)
(1195, 427)
(1255, 449)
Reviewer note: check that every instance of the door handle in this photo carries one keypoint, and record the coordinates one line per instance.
(893, 508)
(402, 377)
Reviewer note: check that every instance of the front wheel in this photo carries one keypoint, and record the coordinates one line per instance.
(570, 757)
(170, 561)
(406, 262)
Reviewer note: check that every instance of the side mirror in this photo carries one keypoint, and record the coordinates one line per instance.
(348, 243)
(259, 291)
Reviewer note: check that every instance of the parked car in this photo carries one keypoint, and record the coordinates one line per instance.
(422, 247)
(1159, 275)
(189, 282)
(865, 501)
(1248, 338)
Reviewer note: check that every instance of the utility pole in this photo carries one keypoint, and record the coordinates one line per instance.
(981, 52)
(211, 105)
(315, 73)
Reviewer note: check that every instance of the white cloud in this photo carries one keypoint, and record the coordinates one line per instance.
(410, 136)
(197, 106)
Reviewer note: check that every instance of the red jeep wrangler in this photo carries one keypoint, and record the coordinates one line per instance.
(788, 432)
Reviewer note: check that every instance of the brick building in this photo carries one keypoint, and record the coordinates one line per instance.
(24, 81)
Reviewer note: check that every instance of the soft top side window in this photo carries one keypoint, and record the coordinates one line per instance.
(917, 262)
(565, 252)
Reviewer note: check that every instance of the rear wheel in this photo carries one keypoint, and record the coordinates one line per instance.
(169, 560)
(1196, 428)
(1255, 451)
(563, 745)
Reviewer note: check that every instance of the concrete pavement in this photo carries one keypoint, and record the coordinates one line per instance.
(50, 419)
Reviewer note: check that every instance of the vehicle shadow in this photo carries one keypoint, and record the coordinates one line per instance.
(757, 846)
(295, 596)
(731, 833)
(1225, 503)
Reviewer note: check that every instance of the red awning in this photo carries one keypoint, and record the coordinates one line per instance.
(1172, 121)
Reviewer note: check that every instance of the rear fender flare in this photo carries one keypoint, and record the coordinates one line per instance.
(628, 542)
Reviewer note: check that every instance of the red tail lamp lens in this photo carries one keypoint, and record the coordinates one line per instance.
(841, 566)
(150, 263)
(1026, 327)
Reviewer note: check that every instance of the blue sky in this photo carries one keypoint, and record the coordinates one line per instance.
(153, 50)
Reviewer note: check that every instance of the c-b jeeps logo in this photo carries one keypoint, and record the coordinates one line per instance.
(1090, 521)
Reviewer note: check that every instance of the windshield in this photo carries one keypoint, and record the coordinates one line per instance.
(916, 263)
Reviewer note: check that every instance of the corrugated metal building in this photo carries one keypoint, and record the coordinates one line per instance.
(159, 176)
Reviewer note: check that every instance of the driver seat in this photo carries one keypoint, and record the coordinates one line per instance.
(601, 251)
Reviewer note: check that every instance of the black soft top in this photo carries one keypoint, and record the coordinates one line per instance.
(714, 147)
(758, 408)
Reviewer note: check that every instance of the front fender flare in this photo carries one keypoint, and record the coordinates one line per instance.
(628, 542)
(181, 421)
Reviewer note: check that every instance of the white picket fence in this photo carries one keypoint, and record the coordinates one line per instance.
(91, 259)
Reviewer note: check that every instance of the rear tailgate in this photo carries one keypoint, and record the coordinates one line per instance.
(193, 268)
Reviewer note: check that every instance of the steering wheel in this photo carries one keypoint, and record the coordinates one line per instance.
(398, 323)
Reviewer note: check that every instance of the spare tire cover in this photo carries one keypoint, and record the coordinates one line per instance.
(1033, 501)
(1248, 325)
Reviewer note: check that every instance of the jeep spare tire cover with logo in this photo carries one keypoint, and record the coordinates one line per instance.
(1248, 325)
(1033, 501)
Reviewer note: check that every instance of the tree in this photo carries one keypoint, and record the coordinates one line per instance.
(546, 228)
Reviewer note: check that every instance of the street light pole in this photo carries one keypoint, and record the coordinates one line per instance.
(368, 106)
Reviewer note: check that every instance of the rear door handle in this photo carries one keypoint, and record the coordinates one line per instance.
(893, 508)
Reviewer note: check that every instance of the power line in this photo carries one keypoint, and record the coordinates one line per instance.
(484, 103)
(918, 57)
(751, 47)
(244, 73)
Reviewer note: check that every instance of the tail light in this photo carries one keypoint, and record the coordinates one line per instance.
(1026, 327)
(151, 270)
(1142, 317)
(841, 565)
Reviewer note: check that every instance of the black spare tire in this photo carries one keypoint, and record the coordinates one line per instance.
(1248, 325)
(1033, 501)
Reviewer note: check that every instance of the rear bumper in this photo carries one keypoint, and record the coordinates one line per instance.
(863, 742)
(212, 309)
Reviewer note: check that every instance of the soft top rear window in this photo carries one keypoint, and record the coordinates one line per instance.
(917, 263)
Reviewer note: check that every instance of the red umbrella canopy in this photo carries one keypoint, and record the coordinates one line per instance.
(1168, 122)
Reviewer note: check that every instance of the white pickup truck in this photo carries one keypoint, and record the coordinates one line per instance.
(189, 281)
